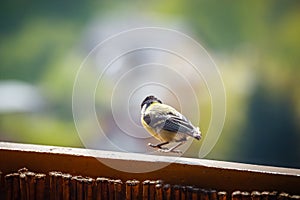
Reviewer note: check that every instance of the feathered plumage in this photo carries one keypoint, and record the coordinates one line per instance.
(166, 124)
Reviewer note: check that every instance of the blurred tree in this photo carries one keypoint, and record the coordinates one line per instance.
(270, 136)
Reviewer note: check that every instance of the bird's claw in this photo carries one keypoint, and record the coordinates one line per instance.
(157, 146)
(152, 145)
(166, 150)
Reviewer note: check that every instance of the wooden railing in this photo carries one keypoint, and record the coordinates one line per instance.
(73, 173)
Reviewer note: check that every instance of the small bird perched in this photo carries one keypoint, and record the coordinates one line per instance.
(166, 124)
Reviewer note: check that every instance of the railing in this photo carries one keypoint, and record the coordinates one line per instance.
(73, 173)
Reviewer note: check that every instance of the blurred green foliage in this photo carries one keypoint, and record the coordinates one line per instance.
(256, 45)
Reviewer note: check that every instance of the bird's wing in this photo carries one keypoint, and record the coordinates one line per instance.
(177, 124)
(169, 119)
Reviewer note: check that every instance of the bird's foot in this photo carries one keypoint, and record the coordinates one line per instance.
(162, 149)
(173, 149)
(157, 146)
(166, 150)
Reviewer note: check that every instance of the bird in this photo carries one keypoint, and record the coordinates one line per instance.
(166, 124)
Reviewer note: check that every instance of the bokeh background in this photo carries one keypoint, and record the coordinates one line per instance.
(256, 47)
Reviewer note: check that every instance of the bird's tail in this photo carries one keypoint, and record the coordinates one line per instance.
(197, 133)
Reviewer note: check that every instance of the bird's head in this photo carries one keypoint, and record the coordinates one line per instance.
(149, 100)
